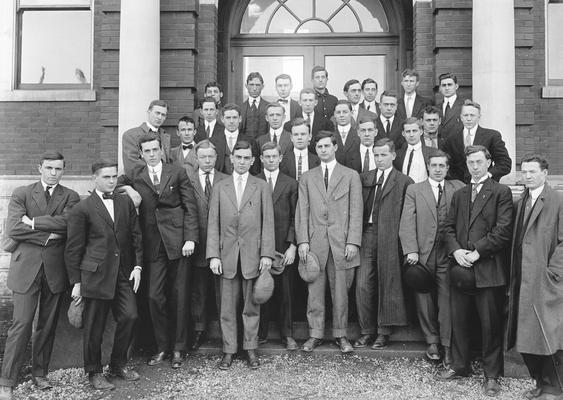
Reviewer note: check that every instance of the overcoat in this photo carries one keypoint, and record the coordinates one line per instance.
(542, 252)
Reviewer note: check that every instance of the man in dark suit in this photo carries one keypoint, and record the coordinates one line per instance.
(37, 220)
(210, 122)
(477, 232)
(299, 160)
(275, 115)
(412, 158)
(369, 90)
(347, 140)
(430, 124)
(104, 252)
(450, 107)
(202, 180)
(421, 232)
(184, 155)
(353, 92)
(388, 124)
(156, 115)
(253, 110)
(240, 246)
(169, 223)
(213, 90)
(535, 292)
(473, 134)
(367, 133)
(412, 104)
(328, 223)
(379, 290)
(283, 88)
(326, 101)
(284, 195)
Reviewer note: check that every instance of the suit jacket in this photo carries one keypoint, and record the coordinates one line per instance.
(391, 300)
(223, 163)
(363, 113)
(199, 259)
(419, 220)
(262, 123)
(452, 123)
(245, 232)
(284, 141)
(289, 167)
(348, 154)
(130, 150)
(202, 135)
(402, 152)
(420, 103)
(97, 246)
(376, 111)
(33, 248)
(200, 119)
(492, 140)
(486, 227)
(284, 200)
(326, 104)
(294, 110)
(330, 219)
(395, 133)
(169, 215)
(189, 162)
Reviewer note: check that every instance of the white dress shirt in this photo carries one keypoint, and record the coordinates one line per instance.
(276, 132)
(231, 135)
(273, 175)
(251, 99)
(156, 170)
(371, 106)
(448, 100)
(409, 103)
(236, 177)
(304, 160)
(108, 203)
(211, 126)
(535, 193)
(344, 130)
(385, 176)
(434, 186)
(151, 127)
(202, 177)
(384, 122)
(480, 183)
(363, 150)
(418, 166)
(469, 134)
(330, 165)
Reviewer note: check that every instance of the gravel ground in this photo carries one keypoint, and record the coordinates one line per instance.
(291, 376)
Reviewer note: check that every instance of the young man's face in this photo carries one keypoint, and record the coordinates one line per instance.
(271, 159)
(51, 171)
(367, 132)
(383, 157)
(470, 116)
(283, 87)
(206, 159)
(157, 116)
(478, 165)
(231, 120)
(209, 111)
(354, 93)
(105, 179)
(320, 80)
(213, 91)
(254, 87)
(438, 168)
(242, 160)
(409, 84)
(370, 92)
(412, 133)
(275, 116)
(326, 150)
(532, 174)
(430, 122)
(186, 132)
(342, 114)
(151, 153)
(448, 87)
(300, 136)
(308, 102)
(388, 106)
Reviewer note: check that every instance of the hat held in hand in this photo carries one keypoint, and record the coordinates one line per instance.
(277, 264)
(75, 314)
(418, 277)
(263, 288)
(462, 278)
(309, 270)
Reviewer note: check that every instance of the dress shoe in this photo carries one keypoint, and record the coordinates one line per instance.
(177, 359)
(381, 342)
(491, 387)
(99, 382)
(447, 361)
(532, 393)
(158, 358)
(345, 345)
(310, 344)
(6, 393)
(198, 340)
(432, 352)
(253, 362)
(41, 382)
(122, 373)
(290, 343)
(448, 374)
(226, 361)
(364, 341)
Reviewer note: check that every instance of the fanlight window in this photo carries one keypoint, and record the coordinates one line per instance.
(313, 16)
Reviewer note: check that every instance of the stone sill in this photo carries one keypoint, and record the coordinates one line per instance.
(552, 92)
(48, 95)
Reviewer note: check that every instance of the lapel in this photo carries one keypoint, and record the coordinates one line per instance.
(291, 167)
(145, 177)
(390, 183)
(56, 198)
(281, 183)
(249, 189)
(165, 177)
(428, 196)
(39, 196)
(481, 199)
(102, 210)
(335, 179)
(230, 189)
(318, 181)
(449, 190)
(199, 191)
(538, 206)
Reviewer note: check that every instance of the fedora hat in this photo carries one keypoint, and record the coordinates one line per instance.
(418, 277)
(309, 270)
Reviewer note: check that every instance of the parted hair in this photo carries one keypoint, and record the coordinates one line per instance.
(98, 165)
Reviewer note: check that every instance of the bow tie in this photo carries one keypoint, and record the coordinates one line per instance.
(187, 146)
(284, 101)
(107, 196)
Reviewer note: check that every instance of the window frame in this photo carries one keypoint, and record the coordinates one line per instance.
(553, 88)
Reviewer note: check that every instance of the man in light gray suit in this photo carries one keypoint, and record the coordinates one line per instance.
(328, 222)
(424, 212)
(184, 154)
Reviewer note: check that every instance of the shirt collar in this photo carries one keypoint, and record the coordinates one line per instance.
(250, 99)
(417, 146)
(434, 183)
(151, 127)
(363, 148)
(230, 134)
(472, 131)
(451, 100)
(210, 124)
(156, 169)
(277, 132)
(303, 152)
(386, 172)
(329, 164)
(344, 128)
(535, 193)
(100, 194)
(412, 96)
(384, 120)
(202, 173)
(236, 175)
(481, 181)
(272, 174)
(311, 114)
(45, 186)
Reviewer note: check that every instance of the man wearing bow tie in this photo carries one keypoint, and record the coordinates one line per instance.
(104, 258)
(291, 107)
(253, 110)
(184, 154)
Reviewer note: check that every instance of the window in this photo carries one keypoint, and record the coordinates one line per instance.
(554, 49)
(50, 46)
(314, 17)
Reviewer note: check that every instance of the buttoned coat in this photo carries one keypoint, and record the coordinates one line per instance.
(452, 122)
(98, 246)
(262, 127)
(542, 251)
(348, 154)
(419, 220)
(330, 219)
(199, 259)
(189, 163)
(391, 299)
(486, 227)
(33, 248)
(246, 232)
(288, 165)
(395, 132)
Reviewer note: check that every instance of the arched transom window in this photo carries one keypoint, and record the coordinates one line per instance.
(313, 16)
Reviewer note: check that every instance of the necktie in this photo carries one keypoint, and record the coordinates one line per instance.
(299, 167)
(388, 127)
(207, 131)
(366, 161)
(107, 196)
(275, 138)
(467, 140)
(409, 106)
(231, 143)
(447, 110)
(440, 194)
(207, 186)
(368, 106)
(271, 183)
(474, 191)
(155, 181)
(48, 193)
(377, 198)
(239, 191)
(411, 155)
(253, 106)
(284, 101)
(355, 112)
(343, 134)
(187, 146)
(326, 177)
(308, 120)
